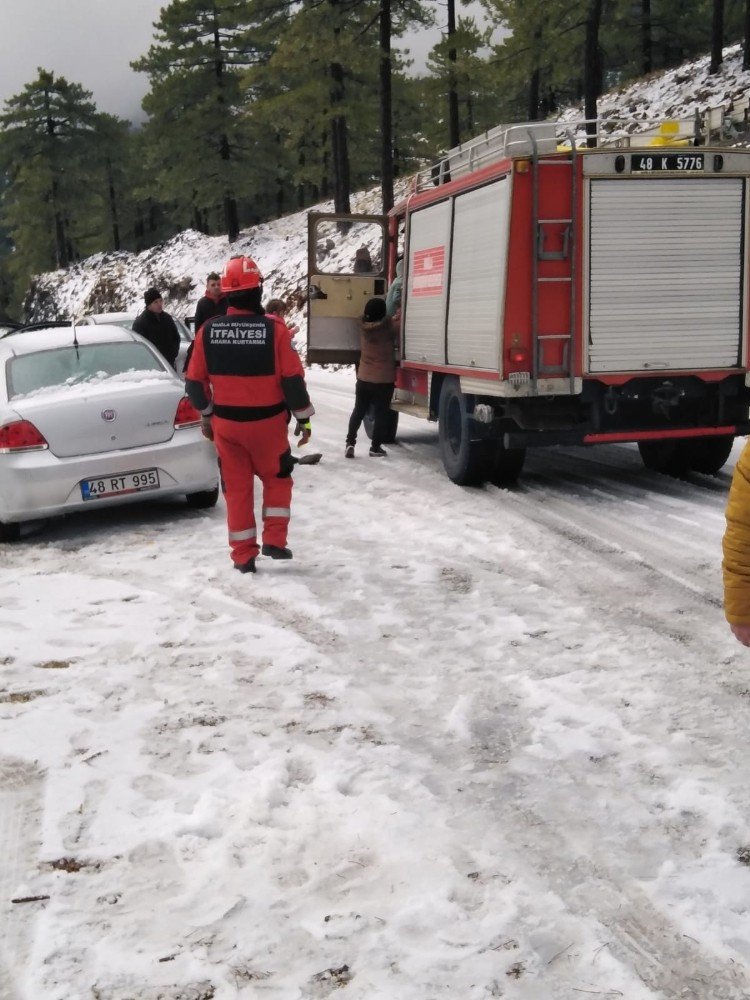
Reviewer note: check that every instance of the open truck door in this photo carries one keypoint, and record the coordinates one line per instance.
(346, 264)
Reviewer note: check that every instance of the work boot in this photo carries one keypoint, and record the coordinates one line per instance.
(246, 567)
(377, 451)
(276, 552)
(349, 453)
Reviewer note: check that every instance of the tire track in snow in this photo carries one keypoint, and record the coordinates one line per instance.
(580, 871)
(640, 936)
(20, 795)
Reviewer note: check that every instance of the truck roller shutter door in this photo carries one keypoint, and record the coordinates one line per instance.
(665, 274)
(478, 274)
(427, 283)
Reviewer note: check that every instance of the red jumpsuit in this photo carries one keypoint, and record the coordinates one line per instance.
(245, 372)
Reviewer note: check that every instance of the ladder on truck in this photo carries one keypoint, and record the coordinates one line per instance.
(541, 281)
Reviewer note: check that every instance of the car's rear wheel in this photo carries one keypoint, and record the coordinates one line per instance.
(203, 499)
(9, 532)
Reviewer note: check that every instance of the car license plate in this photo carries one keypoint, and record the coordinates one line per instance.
(679, 162)
(117, 486)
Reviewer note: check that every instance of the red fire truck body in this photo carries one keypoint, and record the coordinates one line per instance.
(559, 296)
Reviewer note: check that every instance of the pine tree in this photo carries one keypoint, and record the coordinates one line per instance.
(114, 146)
(319, 93)
(538, 64)
(199, 142)
(53, 201)
(328, 88)
(460, 83)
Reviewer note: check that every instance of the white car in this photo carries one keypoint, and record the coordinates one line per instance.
(90, 418)
(127, 319)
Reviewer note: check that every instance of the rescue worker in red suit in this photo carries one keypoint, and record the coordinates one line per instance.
(245, 377)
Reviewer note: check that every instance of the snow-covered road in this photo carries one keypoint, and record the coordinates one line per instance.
(470, 743)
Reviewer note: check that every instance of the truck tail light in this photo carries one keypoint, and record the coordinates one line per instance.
(187, 415)
(21, 435)
(518, 356)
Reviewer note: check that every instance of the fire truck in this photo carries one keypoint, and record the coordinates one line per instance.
(556, 294)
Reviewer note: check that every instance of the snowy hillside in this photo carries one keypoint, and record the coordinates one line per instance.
(110, 282)
(679, 93)
(470, 743)
(116, 281)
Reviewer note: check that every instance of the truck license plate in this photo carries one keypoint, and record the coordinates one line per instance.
(113, 486)
(679, 162)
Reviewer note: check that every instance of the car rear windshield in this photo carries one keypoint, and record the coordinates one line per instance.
(87, 363)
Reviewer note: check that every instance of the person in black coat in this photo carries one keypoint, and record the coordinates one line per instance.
(157, 326)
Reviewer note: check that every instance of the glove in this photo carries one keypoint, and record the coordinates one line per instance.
(304, 429)
(207, 429)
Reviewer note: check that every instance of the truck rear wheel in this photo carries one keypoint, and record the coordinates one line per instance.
(9, 532)
(465, 460)
(505, 464)
(708, 454)
(664, 456)
(390, 428)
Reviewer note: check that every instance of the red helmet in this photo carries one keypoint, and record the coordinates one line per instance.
(240, 274)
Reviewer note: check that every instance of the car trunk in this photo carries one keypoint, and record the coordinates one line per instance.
(84, 420)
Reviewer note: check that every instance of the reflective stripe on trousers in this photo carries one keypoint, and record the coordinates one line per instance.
(246, 450)
(276, 512)
(241, 536)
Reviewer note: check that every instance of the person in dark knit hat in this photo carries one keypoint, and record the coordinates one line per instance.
(157, 326)
(376, 376)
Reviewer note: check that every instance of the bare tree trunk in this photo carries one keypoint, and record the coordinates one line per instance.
(454, 128)
(231, 222)
(536, 77)
(717, 37)
(746, 51)
(339, 130)
(340, 157)
(61, 243)
(647, 62)
(533, 110)
(325, 177)
(386, 123)
(592, 68)
(139, 229)
(113, 206)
